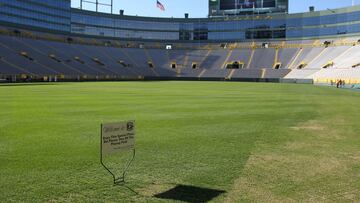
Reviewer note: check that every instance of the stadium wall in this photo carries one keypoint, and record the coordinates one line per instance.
(311, 25)
(57, 16)
(318, 46)
(52, 15)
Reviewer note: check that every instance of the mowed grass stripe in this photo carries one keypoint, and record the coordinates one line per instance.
(248, 139)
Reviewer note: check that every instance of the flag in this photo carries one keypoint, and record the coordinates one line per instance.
(160, 6)
(247, 3)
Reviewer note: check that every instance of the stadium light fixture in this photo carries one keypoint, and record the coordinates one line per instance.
(97, 4)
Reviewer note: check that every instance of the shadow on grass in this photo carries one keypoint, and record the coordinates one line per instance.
(190, 194)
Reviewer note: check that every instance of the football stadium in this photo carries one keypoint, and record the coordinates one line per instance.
(251, 103)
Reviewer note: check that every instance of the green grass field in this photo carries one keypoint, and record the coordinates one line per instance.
(257, 142)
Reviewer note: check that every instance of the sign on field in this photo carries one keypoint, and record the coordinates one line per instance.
(117, 137)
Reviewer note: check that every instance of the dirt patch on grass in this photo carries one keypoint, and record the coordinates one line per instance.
(325, 131)
(311, 125)
(254, 185)
(296, 145)
(314, 165)
(246, 190)
(282, 177)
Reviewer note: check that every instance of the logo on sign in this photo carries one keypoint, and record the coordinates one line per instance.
(130, 126)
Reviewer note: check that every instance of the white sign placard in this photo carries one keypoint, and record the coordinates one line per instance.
(117, 137)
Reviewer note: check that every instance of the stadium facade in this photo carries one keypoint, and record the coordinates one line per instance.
(56, 15)
(43, 40)
(46, 14)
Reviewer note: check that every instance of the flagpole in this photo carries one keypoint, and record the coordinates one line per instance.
(235, 1)
(253, 21)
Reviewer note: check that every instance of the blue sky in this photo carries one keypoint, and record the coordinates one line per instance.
(199, 8)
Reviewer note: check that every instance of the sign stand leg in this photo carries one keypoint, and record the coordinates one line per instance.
(101, 156)
(121, 179)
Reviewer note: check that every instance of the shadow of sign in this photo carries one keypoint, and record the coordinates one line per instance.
(190, 194)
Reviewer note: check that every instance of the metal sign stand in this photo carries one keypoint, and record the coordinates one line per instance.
(117, 180)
